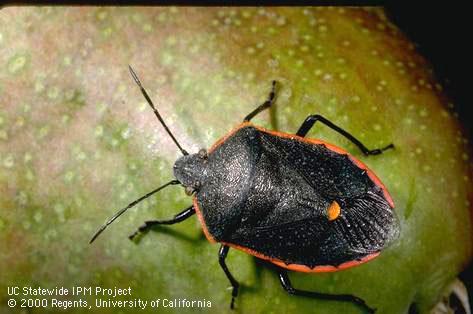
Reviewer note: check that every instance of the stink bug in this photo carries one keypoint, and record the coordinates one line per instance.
(302, 204)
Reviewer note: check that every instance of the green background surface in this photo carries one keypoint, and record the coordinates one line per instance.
(77, 142)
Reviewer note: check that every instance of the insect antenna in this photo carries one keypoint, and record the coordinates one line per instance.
(121, 211)
(145, 94)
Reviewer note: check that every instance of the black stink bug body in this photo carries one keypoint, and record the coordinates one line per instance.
(302, 204)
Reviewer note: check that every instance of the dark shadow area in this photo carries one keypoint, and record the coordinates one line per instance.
(441, 34)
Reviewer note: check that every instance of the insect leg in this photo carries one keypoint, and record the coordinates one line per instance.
(286, 284)
(186, 213)
(264, 105)
(222, 255)
(310, 121)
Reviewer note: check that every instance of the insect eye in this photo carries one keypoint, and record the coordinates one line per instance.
(189, 190)
(203, 153)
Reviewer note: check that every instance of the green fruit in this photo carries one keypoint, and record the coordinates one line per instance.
(77, 142)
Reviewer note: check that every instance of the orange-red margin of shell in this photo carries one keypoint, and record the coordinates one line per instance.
(295, 267)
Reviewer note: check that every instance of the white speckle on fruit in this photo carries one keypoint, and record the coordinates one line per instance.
(418, 150)
(126, 133)
(167, 58)
(250, 50)
(9, 161)
(29, 175)
(171, 40)
(356, 99)
(67, 61)
(377, 127)
(455, 194)
(327, 77)
(246, 14)
(307, 37)
(16, 63)
(38, 86)
(27, 157)
(3, 135)
(38, 216)
(43, 131)
(381, 26)
(281, 21)
(69, 176)
(53, 92)
(273, 63)
(26, 224)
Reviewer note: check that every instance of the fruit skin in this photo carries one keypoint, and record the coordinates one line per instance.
(77, 142)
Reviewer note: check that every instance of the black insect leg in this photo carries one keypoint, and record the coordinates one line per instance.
(286, 284)
(177, 218)
(264, 105)
(222, 255)
(310, 121)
